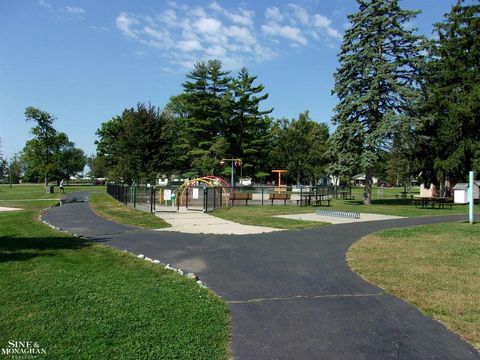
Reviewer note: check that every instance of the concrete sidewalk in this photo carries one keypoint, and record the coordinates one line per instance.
(339, 220)
(198, 222)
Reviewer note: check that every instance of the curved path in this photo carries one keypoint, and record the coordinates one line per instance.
(291, 294)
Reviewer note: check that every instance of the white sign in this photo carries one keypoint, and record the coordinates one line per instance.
(167, 194)
(195, 193)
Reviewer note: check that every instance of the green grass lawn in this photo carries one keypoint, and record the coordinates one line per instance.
(109, 208)
(80, 300)
(387, 204)
(434, 267)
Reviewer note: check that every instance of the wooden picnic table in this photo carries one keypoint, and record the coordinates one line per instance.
(440, 202)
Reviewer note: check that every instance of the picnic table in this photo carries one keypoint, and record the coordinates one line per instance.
(345, 195)
(433, 202)
(306, 199)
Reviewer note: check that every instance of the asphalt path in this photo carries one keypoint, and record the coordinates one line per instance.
(291, 294)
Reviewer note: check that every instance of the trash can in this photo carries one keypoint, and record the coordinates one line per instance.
(49, 189)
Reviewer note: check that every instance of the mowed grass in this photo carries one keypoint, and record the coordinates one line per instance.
(80, 300)
(385, 204)
(264, 216)
(107, 207)
(34, 197)
(434, 267)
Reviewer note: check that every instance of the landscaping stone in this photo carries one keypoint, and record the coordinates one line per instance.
(192, 276)
(141, 256)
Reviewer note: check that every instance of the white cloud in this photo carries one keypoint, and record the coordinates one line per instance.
(74, 10)
(334, 33)
(190, 33)
(189, 45)
(286, 31)
(300, 13)
(124, 23)
(321, 21)
(273, 14)
(241, 34)
(207, 25)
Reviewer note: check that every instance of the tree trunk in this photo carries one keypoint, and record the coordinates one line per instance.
(442, 185)
(367, 192)
(46, 180)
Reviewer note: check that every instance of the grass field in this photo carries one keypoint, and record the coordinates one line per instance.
(387, 204)
(434, 267)
(109, 208)
(79, 300)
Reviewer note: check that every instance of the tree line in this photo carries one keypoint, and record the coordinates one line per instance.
(216, 116)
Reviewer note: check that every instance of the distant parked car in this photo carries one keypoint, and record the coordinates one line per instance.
(99, 181)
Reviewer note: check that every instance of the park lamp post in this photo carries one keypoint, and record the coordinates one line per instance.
(233, 162)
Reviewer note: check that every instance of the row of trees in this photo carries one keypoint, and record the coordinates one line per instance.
(416, 99)
(216, 116)
(49, 155)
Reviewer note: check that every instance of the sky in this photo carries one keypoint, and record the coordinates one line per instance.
(84, 61)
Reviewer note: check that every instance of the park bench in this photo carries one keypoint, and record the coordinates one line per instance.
(279, 196)
(238, 196)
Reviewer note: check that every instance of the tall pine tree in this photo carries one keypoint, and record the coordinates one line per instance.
(208, 104)
(377, 78)
(248, 128)
(451, 107)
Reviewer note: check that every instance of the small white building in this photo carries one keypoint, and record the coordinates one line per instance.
(359, 180)
(460, 192)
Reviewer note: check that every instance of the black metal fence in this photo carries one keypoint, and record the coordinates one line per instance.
(151, 198)
(141, 197)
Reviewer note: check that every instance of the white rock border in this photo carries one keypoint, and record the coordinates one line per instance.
(190, 275)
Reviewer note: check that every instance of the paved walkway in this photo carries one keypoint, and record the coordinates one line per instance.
(291, 293)
(198, 222)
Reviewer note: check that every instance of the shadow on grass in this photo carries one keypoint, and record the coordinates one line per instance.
(392, 202)
(17, 248)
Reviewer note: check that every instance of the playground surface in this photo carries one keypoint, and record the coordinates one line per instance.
(198, 222)
(291, 293)
(339, 220)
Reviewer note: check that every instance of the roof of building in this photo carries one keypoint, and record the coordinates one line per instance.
(460, 186)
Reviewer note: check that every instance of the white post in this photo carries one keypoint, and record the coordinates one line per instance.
(470, 196)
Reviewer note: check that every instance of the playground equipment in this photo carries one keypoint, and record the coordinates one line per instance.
(211, 181)
(280, 172)
(234, 162)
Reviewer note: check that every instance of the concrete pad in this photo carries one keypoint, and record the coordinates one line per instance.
(198, 222)
(339, 220)
(8, 209)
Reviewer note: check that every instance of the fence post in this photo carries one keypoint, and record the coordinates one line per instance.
(151, 200)
(205, 199)
(214, 197)
(262, 196)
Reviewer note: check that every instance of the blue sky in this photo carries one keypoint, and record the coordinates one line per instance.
(85, 61)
